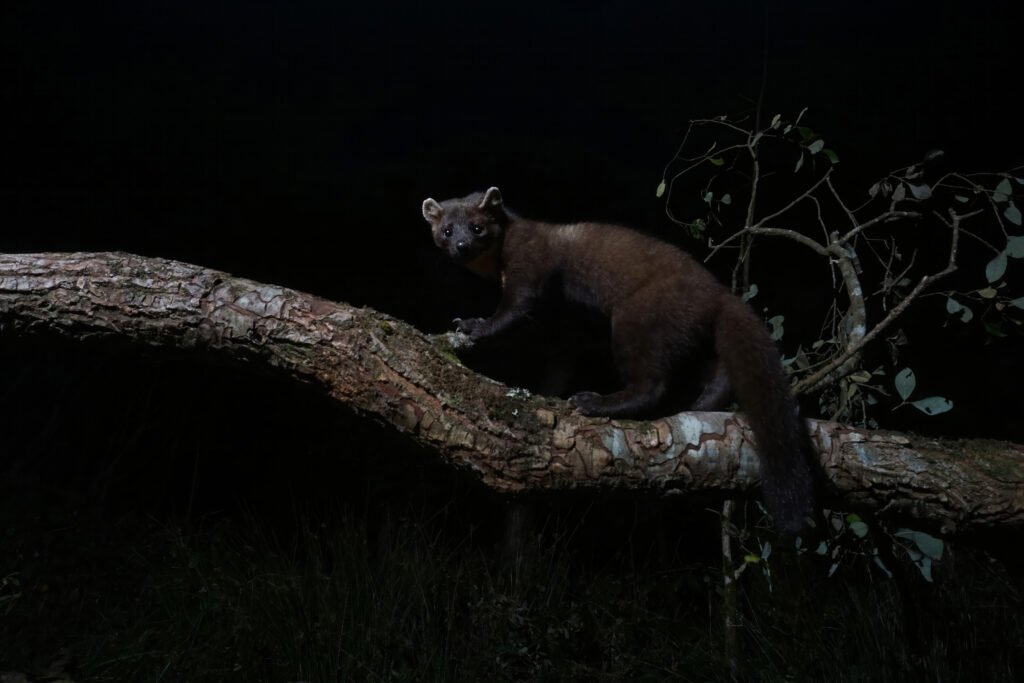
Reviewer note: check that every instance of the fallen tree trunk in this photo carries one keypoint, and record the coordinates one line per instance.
(389, 372)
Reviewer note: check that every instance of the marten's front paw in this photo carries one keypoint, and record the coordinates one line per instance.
(470, 326)
(585, 402)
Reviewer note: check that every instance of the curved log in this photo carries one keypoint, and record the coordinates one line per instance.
(387, 371)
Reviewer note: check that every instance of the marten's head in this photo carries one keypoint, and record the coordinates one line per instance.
(469, 229)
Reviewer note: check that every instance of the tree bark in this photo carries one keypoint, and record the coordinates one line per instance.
(387, 371)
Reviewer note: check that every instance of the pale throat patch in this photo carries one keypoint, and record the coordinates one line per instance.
(487, 264)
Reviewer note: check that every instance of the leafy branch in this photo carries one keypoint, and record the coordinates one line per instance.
(779, 181)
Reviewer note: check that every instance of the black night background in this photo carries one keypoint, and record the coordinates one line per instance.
(293, 143)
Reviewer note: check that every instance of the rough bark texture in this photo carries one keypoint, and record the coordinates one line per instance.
(387, 371)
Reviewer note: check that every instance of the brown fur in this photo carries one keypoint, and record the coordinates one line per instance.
(664, 308)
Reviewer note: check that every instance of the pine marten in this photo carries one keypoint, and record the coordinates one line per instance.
(663, 308)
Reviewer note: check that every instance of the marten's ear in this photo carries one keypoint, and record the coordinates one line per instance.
(431, 211)
(492, 199)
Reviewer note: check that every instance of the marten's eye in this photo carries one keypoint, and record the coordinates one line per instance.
(478, 230)
(447, 232)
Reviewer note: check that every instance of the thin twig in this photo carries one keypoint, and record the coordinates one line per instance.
(886, 217)
(819, 378)
(796, 200)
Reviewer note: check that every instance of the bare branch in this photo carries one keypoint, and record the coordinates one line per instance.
(754, 180)
(822, 376)
(799, 198)
(774, 232)
(887, 217)
(386, 371)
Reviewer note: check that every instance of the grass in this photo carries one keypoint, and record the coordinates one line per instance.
(236, 602)
(239, 599)
(145, 537)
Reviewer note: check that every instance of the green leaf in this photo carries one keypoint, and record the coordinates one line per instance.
(776, 120)
(726, 199)
(960, 198)
(929, 545)
(860, 377)
(1015, 246)
(816, 146)
(953, 307)
(661, 189)
(708, 196)
(750, 293)
(697, 228)
(751, 558)
(905, 382)
(859, 529)
(832, 156)
(925, 566)
(717, 161)
(933, 405)
(920, 192)
(1003, 191)
(799, 163)
(900, 194)
(1019, 303)
(996, 267)
(776, 323)
(994, 329)
(987, 293)
(805, 132)
(1012, 214)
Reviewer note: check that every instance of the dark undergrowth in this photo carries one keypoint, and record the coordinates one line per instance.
(165, 524)
(138, 599)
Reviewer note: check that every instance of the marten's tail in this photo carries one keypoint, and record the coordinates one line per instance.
(762, 389)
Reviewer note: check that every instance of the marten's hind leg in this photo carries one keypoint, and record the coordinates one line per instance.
(646, 352)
